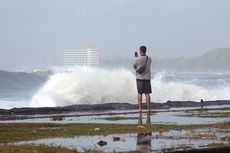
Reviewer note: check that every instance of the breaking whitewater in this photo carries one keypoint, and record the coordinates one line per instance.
(92, 85)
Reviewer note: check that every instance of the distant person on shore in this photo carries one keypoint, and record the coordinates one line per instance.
(142, 66)
(202, 104)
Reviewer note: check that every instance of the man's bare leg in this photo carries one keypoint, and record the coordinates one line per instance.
(139, 98)
(148, 120)
(148, 99)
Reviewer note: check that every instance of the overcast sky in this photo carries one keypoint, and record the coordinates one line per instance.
(34, 33)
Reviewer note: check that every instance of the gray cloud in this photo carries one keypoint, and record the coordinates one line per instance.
(35, 33)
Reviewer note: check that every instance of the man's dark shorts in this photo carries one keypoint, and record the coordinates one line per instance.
(144, 86)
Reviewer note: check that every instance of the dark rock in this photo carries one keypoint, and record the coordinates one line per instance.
(116, 138)
(105, 107)
(205, 150)
(102, 143)
(57, 118)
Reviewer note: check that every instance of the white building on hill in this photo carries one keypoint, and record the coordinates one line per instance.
(86, 56)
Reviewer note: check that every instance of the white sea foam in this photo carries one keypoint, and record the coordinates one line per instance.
(86, 85)
(91, 85)
(8, 104)
(182, 91)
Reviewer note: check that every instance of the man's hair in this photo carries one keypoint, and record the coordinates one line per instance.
(143, 49)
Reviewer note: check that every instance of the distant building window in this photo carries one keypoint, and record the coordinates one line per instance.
(86, 56)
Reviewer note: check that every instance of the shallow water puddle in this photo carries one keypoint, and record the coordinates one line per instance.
(157, 118)
(162, 116)
(173, 139)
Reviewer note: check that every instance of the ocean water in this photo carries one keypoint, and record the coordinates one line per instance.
(92, 85)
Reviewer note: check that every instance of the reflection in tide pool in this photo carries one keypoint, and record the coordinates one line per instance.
(144, 141)
(127, 142)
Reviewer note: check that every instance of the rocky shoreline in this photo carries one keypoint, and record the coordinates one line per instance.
(205, 150)
(106, 107)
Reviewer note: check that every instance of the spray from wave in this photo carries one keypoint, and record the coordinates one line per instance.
(91, 85)
(86, 85)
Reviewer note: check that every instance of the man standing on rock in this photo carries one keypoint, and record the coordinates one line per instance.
(142, 65)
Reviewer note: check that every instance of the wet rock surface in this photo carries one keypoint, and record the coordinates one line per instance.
(102, 143)
(106, 107)
(205, 150)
